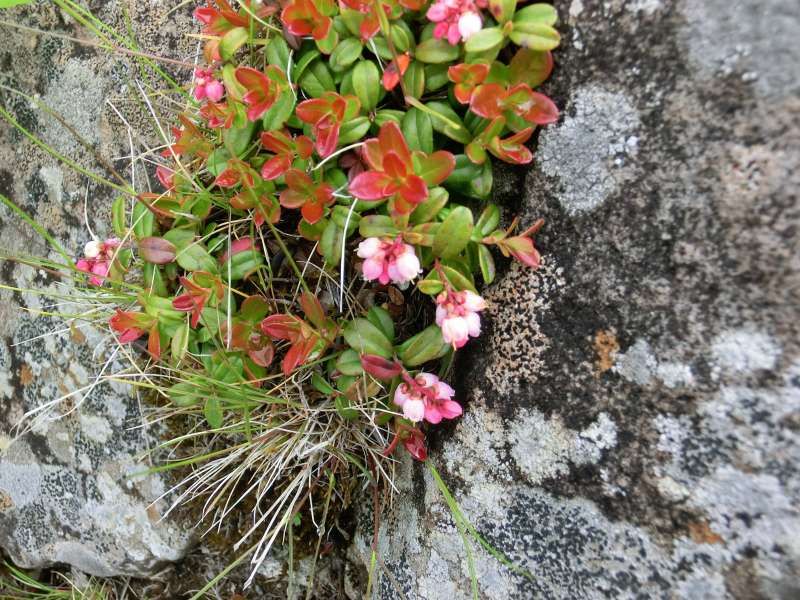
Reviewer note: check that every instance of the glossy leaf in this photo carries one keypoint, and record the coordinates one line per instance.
(485, 39)
(454, 233)
(364, 337)
(436, 51)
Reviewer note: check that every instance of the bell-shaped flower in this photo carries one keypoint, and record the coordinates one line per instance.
(426, 397)
(97, 258)
(387, 260)
(457, 316)
(205, 86)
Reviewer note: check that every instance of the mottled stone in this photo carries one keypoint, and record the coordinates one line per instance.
(631, 413)
(72, 482)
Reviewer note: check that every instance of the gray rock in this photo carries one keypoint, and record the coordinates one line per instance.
(632, 411)
(72, 489)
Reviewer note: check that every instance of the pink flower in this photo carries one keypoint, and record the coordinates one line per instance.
(457, 315)
(456, 19)
(97, 259)
(205, 86)
(387, 261)
(426, 397)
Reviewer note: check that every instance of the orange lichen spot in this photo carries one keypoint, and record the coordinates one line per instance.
(606, 347)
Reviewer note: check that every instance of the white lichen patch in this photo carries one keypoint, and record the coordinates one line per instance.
(585, 152)
(743, 351)
(77, 95)
(641, 366)
(544, 448)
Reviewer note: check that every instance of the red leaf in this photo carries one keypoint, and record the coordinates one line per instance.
(371, 185)
(434, 168)
(312, 211)
(327, 132)
(275, 167)
(280, 327)
(156, 250)
(379, 367)
(228, 178)
(414, 189)
(154, 342)
(312, 308)
(486, 100)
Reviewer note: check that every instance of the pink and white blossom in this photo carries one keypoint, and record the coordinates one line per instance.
(205, 86)
(456, 20)
(457, 315)
(387, 261)
(97, 257)
(426, 397)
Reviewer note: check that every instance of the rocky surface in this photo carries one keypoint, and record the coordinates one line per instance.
(633, 411)
(633, 407)
(69, 489)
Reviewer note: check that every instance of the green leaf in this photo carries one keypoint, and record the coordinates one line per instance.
(414, 79)
(349, 363)
(436, 77)
(317, 79)
(186, 394)
(305, 59)
(454, 233)
(487, 222)
(277, 52)
(118, 216)
(213, 412)
(345, 54)
(180, 342)
(451, 125)
(10, 3)
(321, 384)
(470, 179)
(353, 130)
(330, 243)
(486, 262)
(279, 113)
(377, 226)
(343, 407)
(426, 345)
(544, 14)
(485, 39)
(232, 41)
(365, 338)
(153, 280)
(195, 257)
(535, 36)
(237, 139)
(385, 115)
(367, 84)
(217, 161)
(502, 10)
(328, 43)
(427, 210)
(143, 221)
(243, 265)
(418, 130)
(436, 51)
(382, 320)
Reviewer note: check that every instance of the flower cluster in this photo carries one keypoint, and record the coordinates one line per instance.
(426, 397)
(97, 259)
(456, 20)
(320, 188)
(387, 261)
(457, 315)
(205, 86)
